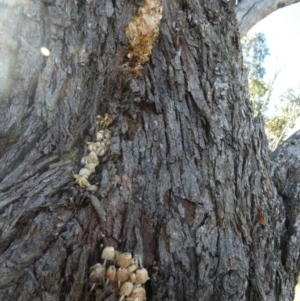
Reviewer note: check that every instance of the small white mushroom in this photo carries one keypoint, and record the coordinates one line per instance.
(108, 253)
(141, 276)
(100, 136)
(90, 158)
(122, 275)
(93, 146)
(97, 274)
(124, 260)
(138, 292)
(133, 265)
(92, 188)
(111, 274)
(81, 181)
(125, 290)
(90, 167)
(84, 172)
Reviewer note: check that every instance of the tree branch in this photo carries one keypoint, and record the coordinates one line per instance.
(249, 13)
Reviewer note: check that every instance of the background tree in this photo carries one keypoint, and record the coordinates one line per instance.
(279, 125)
(198, 196)
(255, 51)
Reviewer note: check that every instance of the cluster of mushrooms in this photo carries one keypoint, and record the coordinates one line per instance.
(125, 274)
(98, 148)
(141, 32)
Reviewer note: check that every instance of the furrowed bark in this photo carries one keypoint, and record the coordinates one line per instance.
(194, 162)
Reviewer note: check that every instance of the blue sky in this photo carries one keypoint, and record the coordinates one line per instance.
(282, 30)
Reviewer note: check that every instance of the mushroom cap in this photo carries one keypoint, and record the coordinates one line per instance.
(126, 289)
(111, 273)
(101, 150)
(124, 259)
(133, 265)
(90, 158)
(84, 172)
(97, 272)
(92, 188)
(122, 274)
(90, 167)
(108, 253)
(92, 146)
(132, 277)
(81, 181)
(141, 276)
(117, 254)
(138, 292)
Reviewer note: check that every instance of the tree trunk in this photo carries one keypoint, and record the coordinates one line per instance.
(197, 203)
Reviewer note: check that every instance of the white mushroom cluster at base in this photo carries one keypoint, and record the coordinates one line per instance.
(123, 271)
(96, 149)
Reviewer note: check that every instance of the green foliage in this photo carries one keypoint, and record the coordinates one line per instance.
(279, 126)
(255, 51)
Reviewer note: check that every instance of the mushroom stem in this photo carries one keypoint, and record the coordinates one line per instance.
(104, 262)
(122, 297)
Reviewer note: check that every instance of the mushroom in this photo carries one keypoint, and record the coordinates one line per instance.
(108, 253)
(92, 146)
(105, 121)
(90, 167)
(117, 254)
(111, 274)
(125, 290)
(124, 260)
(102, 149)
(133, 265)
(92, 188)
(81, 181)
(118, 180)
(97, 273)
(90, 158)
(138, 292)
(122, 275)
(100, 136)
(132, 277)
(141, 276)
(84, 172)
(107, 136)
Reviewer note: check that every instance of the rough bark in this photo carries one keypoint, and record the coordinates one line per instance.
(249, 13)
(194, 162)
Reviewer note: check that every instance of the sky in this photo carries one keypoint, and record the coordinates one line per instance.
(282, 31)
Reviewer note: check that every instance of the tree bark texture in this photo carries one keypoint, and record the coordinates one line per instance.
(197, 186)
